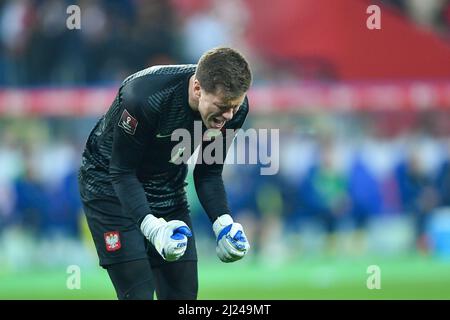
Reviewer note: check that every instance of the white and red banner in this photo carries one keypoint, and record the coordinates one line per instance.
(310, 96)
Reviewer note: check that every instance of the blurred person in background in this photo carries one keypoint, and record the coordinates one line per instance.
(132, 189)
(364, 190)
(212, 23)
(324, 192)
(418, 193)
(269, 200)
(64, 213)
(32, 201)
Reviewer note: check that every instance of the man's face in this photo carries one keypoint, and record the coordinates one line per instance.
(215, 110)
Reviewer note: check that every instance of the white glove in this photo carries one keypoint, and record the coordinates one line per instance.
(232, 243)
(169, 238)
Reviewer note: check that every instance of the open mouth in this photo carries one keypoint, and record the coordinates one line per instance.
(218, 123)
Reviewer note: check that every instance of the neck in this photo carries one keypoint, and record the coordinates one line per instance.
(193, 102)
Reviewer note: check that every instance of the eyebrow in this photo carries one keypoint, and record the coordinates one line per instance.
(226, 106)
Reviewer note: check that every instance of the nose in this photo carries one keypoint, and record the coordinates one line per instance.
(228, 115)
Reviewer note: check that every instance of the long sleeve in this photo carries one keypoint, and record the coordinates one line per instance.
(211, 190)
(129, 143)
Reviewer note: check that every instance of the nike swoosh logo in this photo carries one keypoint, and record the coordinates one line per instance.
(163, 136)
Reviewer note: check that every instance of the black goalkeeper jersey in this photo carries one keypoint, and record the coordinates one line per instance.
(128, 153)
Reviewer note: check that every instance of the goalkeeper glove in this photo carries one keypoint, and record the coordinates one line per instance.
(232, 243)
(169, 238)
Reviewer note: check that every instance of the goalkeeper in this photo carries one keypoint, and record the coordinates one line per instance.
(132, 189)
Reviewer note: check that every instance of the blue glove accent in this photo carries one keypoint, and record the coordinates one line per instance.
(180, 232)
(224, 232)
(239, 237)
(238, 240)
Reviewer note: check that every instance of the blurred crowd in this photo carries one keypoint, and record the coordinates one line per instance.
(117, 37)
(344, 175)
(38, 48)
(336, 177)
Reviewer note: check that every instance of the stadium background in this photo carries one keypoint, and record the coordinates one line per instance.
(364, 141)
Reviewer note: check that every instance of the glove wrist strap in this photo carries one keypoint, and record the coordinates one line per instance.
(150, 226)
(221, 222)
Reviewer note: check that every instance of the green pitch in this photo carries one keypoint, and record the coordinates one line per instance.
(407, 278)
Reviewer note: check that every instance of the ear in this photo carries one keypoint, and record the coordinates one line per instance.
(197, 88)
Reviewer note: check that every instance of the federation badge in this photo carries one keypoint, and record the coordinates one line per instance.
(128, 123)
(112, 241)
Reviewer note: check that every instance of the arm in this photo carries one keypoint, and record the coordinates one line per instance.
(131, 136)
(232, 243)
(128, 148)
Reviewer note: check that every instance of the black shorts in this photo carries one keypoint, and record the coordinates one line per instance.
(118, 239)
